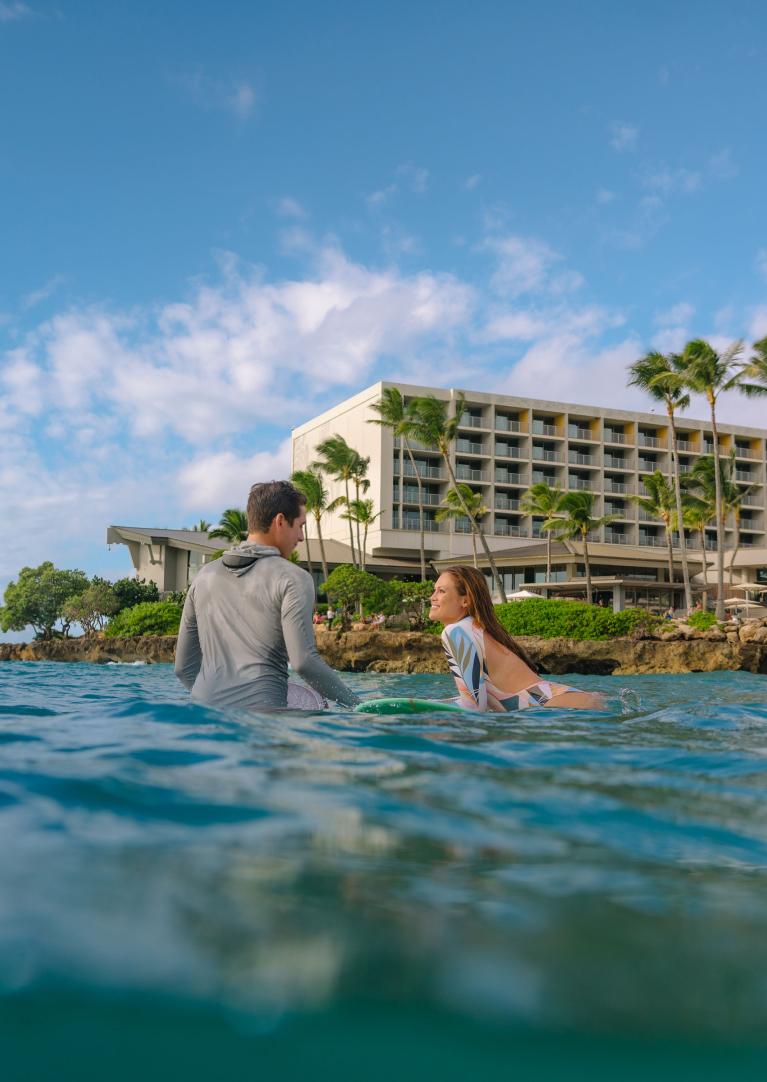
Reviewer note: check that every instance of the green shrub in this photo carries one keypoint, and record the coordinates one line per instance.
(702, 620)
(570, 620)
(148, 618)
(131, 591)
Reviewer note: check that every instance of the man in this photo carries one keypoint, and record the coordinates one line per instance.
(250, 612)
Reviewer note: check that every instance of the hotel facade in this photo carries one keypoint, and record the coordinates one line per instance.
(506, 444)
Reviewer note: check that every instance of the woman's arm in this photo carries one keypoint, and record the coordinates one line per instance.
(467, 666)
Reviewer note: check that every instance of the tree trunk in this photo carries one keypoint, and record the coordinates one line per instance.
(474, 546)
(322, 548)
(548, 558)
(680, 514)
(670, 562)
(364, 547)
(736, 525)
(720, 614)
(705, 567)
(587, 566)
(496, 576)
(308, 553)
(351, 531)
(359, 547)
(419, 482)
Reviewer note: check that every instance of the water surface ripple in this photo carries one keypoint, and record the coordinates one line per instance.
(565, 892)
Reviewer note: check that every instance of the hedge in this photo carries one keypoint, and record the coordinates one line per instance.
(569, 619)
(148, 618)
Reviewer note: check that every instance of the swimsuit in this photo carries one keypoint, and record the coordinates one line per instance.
(464, 645)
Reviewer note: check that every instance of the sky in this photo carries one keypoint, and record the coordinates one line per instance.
(218, 219)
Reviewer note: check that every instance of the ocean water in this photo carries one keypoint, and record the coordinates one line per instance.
(546, 895)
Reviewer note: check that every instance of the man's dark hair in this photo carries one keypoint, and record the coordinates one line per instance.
(269, 499)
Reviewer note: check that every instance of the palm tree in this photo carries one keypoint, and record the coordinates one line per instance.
(671, 392)
(434, 428)
(202, 526)
(697, 514)
(709, 373)
(701, 482)
(361, 484)
(660, 502)
(340, 461)
(233, 526)
(361, 513)
(453, 508)
(543, 500)
(395, 415)
(756, 369)
(575, 518)
(310, 483)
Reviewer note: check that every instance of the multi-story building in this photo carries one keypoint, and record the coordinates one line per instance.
(506, 444)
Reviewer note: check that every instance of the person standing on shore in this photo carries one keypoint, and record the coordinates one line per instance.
(250, 612)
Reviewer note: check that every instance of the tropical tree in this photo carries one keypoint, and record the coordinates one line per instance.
(233, 526)
(702, 483)
(311, 484)
(706, 372)
(202, 526)
(394, 414)
(755, 371)
(434, 428)
(361, 484)
(544, 501)
(660, 502)
(361, 513)
(463, 496)
(661, 377)
(575, 518)
(39, 598)
(341, 462)
(697, 513)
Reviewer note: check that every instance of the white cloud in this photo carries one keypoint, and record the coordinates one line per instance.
(678, 314)
(527, 265)
(721, 165)
(472, 182)
(673, 181)
(287, 207)
(383, 195)
(415, 177)
(233, 96)
(605, 195)
(757, 327)
(14, 10)
(47, 290)
(670, 339)
(623, 136)
(223, 480)
(761, 262)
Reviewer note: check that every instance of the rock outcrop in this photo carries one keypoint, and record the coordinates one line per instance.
(668, 649)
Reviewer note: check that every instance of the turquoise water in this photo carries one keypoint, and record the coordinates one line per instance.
(301, 896)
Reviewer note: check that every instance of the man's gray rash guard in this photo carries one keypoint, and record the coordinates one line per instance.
(242, 624)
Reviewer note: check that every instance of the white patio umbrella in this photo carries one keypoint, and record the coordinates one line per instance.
(740, 603)
(751, 587)
(522, 595)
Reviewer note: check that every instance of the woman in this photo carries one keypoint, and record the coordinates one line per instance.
(490, 670)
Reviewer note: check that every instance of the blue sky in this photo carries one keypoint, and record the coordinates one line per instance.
(219, 218)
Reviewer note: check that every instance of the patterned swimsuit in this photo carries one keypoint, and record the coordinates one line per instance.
(464, 645)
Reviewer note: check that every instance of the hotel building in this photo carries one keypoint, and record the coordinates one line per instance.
(506, 444)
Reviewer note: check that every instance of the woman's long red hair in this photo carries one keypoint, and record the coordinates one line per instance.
(472, 584)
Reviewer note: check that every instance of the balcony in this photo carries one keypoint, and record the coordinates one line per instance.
(414, 445)
(462, 525)
(505, 450)
(429, 525)
(502, 504)
(616, 462)
(745, 478)
(578, 484)
(615, 437)
(613, 538)
(410, 495)
(745, 452)
(645, 516)
(650, 441)
(617, 486)
(543, 454)
(684, 445)
(615, 509)
(540, 428)
(465, 473)
(576, 433)
(647, 465)
(422, 471)
(468, 447)
(508, 529)
(580, 460)
(471, 420)
(653, 540)
(506, 424)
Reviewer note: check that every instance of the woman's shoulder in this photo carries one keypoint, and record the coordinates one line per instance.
(460, 629)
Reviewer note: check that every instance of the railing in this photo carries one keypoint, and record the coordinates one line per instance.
(614, 437)
(410, 495)
(617, 486)
(708, 447)
(617, 538)
(541, 429)
(745, 452)
(579, 433)
(579, 459)
(505, 450)
(543, 478)
(469, 420)
(653, 541)
(649, 441)
(646, 466)
(502, 478)
(505, 505)
(645, 516)
(612, 509)
(542, 454)
(684, 445)
(466, 447)
(429, 525)
(576, 483)
(422, 471)
(613, 463)
(746, 478)
(505, 424)
(466, 474)
(414, 445)
(462, 525)
(504, 529)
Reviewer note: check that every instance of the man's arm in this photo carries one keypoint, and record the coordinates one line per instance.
(188, 652)
(297, 630)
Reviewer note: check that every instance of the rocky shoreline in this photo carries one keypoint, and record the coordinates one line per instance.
(672, 649)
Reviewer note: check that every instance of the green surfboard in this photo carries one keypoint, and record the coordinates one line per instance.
(407, 706)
